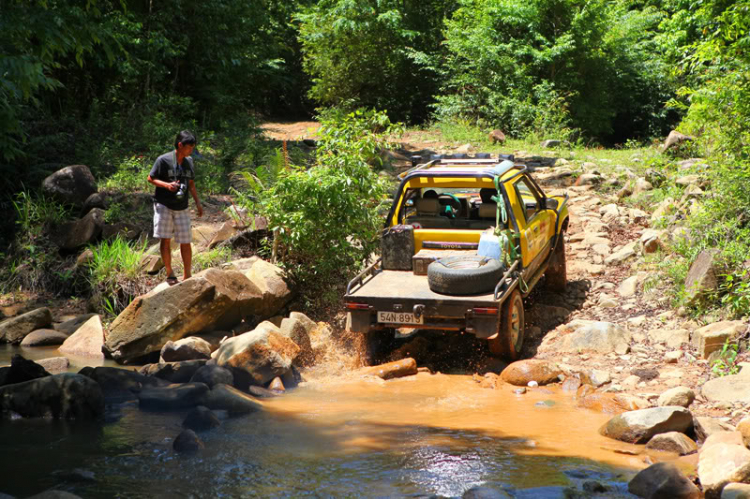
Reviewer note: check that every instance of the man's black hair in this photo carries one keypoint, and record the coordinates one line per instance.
(430, 194)
(185, 138)
(486, 194)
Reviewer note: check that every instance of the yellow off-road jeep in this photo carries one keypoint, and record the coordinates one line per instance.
(465, 241)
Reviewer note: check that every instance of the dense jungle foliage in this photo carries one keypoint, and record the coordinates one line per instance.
(107, 83)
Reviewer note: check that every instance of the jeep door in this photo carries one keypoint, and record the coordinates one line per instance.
(536, 225)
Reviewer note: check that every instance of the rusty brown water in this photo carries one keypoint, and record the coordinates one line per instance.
(337, 435)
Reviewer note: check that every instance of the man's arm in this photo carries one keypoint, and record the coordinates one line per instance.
(171, 186)
(194, 193)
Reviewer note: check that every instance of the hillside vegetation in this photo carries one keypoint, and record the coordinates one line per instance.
(108, 83)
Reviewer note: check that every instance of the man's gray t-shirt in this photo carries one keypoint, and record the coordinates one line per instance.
(166, 168)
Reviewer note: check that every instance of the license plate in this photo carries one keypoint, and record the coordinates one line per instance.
(400, 318)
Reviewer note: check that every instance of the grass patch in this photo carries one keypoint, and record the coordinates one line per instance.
(115, 274)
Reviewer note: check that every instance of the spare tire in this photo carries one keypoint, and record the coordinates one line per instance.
(464, 275)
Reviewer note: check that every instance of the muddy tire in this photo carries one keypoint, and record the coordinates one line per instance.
(557, 272)
(509, 340)
(464, 275)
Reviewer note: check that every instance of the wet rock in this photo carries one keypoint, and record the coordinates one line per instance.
(43, 338)
(174, 372)
(260, 392)
(61, 396)
(190, 348)
(187, 442)
(200, 419)
(711, 338)
(520, 391)
(390, 370)
(579, 335)
(637, 427)
(70, 185)
(71, 326)
(76, 475)
(521, 372)
(706, 426)
(571, 384)
(730, 389)
(663, 480)
(479, 492)
(87, 341)
(120, 385)
(297, 331)
(15, 329)
(173, 397)
(270, 280)
(54, 364)
(672, 441)
(722, 463)
(227, 398)
(277, 385)
(263, 353)
(20, 371)
(610, 402)
(736, 491)
(680, 395)
(213, 375)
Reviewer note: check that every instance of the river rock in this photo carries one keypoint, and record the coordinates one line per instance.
(297, 331)
(63, 396)
(70, 185)
(521, 372)
(43, 338)
(637, 427)
(87, 341)
(20, 371)
(480, 492)
(732, 389)
(187, 442)
(174, 372)
(673, 441)
(612, 403)
(679, 395)
(173, 397)
(663, 480)
(264, 353)
(198, 304)
(190, 348)
(15, 329)
(270, 280)
(227, 398)
(581, 335)
(705, 427)
(119, 385)
(712, 337)
(736, 491)
(54, 364)
(201, 419)
(213, 375)
(71, 326)
(722, 463)
(390, 370)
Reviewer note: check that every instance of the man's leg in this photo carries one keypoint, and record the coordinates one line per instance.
(166, 255)
(187, 260)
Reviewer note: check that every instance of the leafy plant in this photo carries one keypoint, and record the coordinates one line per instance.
(726, 364)
(115, 273)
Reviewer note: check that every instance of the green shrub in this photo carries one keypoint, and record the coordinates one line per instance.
(115, 274)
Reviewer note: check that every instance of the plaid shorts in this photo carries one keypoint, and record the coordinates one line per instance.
(170, 224)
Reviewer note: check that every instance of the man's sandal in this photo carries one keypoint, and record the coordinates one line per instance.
(172, 279)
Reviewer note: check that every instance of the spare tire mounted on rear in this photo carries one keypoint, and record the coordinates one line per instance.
(464, 275)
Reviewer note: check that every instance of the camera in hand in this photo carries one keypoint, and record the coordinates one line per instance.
(181, 192)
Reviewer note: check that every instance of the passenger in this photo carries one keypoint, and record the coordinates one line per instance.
(486, 194)
(430, 194)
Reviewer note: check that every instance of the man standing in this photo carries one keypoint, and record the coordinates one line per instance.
(173, 175)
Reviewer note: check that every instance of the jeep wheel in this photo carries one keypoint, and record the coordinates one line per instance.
(510, 335)
(464, 275)
(557, 273)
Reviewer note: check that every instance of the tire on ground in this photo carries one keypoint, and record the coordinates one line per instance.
(557, 273)
(509, 340)
(464, 275)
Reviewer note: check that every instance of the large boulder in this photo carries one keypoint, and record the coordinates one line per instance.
(64, 396)
(202, 303)
(521, 372)
(227, 398)
(637, 427)
(721, 463)
(582, 335)
(297, 331)
(71, 325)
(172, 397)
(87, 341)
(72, 235)
(190, 348)
(44, 338)
(213, 375)
(15, 329)
(120, 384)
(70, 185)
(263, 353)
(174, 372)
(21, 370)
(663, 480)
(270, 280)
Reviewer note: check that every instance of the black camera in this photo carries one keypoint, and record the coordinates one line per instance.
(181, 192)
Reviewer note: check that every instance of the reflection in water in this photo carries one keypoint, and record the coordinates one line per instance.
(336, 436)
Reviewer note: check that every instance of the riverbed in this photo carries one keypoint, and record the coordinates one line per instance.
(337, 435)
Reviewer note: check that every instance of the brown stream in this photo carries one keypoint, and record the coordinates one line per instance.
(334, 436)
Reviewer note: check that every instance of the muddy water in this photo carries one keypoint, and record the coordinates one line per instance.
(335, 436)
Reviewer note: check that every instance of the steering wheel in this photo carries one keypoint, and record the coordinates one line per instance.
(450, 200)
